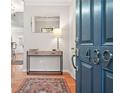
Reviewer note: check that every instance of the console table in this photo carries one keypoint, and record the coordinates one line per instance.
(44, 53)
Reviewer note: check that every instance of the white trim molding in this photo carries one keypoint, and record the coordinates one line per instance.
(48, 2)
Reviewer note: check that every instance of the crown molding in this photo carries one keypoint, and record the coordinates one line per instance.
(48, 2)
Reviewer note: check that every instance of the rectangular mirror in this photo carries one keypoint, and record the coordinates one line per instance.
(44, 24)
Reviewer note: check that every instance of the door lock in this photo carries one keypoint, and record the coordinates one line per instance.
(77, 52)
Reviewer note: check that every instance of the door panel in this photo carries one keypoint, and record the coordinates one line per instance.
(86, 79)
(107, 21)
(78, 18)
(97, 79)
(107, 46)
(78, 27)
(97, 21)
(86, 29)
(108, 80)
(107, 57)
(78, 76)
(107, 68)
(89, 72)
(94, 29)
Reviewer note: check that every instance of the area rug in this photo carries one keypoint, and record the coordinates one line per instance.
(44, 85)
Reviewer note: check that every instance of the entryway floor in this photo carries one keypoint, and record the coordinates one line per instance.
(18, 76)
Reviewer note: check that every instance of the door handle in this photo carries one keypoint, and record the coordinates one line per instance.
(73, 56)
(96, 58)
(107, 56)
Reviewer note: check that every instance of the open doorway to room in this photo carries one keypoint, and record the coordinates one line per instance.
(43, 42)
(62, 46)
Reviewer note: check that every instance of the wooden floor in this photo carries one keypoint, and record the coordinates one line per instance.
(18, 76)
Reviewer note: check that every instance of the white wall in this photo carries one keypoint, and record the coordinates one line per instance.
(72, 34)
(17, 29)
(16, 34)
(46, 41)
(45, 63)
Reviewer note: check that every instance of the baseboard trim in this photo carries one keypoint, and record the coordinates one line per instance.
(44, 73)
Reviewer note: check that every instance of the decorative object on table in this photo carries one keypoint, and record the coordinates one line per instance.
(57, 33)
(44, 85)
(53, 49)
(46, 29)
(33, 49)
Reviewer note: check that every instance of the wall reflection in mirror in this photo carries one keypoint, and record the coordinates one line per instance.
(44, 24)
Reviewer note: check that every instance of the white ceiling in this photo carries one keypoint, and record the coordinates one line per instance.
(18, 5)
(48, 2)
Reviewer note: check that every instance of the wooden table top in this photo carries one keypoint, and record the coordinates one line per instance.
(48, 53)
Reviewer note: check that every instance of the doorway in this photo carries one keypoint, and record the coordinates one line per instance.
(87, 42)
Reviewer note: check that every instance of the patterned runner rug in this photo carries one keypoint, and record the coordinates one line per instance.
(44, 85)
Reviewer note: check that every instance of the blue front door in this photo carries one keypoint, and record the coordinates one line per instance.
(94, 37)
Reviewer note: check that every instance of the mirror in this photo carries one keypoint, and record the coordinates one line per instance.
(44, 24)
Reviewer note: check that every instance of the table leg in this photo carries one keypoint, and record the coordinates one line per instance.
(28, 63)
(61, 64)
